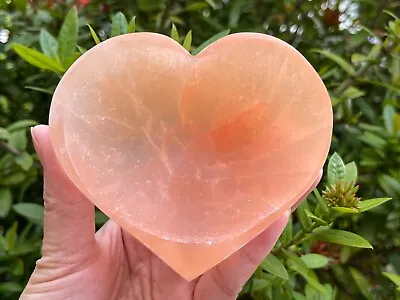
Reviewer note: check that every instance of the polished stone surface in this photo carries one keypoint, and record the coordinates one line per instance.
(193, 155)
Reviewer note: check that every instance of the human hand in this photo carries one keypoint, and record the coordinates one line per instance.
(78, 263)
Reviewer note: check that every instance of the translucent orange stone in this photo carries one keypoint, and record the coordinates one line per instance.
(193, 155)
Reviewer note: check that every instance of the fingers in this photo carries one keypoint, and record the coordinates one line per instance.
(69, 216)
(312, 187)
(225, 281)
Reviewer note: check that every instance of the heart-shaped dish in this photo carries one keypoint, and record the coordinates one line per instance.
(193, 155)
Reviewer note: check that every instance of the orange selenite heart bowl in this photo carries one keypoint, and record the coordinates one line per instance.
(193, 155)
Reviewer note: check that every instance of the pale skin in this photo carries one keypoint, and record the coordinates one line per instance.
(79, 263)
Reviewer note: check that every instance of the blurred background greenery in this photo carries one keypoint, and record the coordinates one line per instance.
(353, 44)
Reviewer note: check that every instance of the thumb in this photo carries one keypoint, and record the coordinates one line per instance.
(68, 216)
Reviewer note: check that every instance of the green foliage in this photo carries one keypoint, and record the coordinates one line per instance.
(68, 38)
(94, 35)
(119, 24)
(325, 250)
(132, 25)
(187, 43)
(210, 41)
(174, 33)
(394, 278)
(336, 169)
(37, 59)
(274, 266)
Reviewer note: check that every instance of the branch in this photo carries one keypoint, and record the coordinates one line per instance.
(297, 239)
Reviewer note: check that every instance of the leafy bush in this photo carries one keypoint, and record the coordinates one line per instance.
(325, 251)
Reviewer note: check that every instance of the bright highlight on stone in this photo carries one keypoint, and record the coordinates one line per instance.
(193, 155)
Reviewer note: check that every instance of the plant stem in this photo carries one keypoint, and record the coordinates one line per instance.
(349, 81)
(9, 148)
(297, 239)
(164, 16)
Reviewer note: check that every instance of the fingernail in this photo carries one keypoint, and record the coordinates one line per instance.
(35, 143)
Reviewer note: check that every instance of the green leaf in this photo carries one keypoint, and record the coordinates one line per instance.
(25, 232)
(10, 287)
(304, 219)
(11, 235)
(345, 210)
(18, 267)
(321, 201)
(81, 51)
(24, 160)
(3, 243)
(235, 13)
(32, 211)
(174, 33)
(18, 139)
(352, 93)
(196, 6)
(39, 89)
(176, 20)
(351, 173)
(4, 134)
(287, 233)
(187, 43)
(5, 202)
(390, 185)
(260, 284)
(373, 140)
(298, 296)
(274, 266)
(388, 117)
(94, 35)
(299, 266)
(393, 15)
(211, 3)
(339, 60)
(100, 218)
(211, 40)
(342, 237)
(313, 294)
(393, 277)
(48, 44)
(357, 58)
(132, 25)
(13, 179)
(22, 124)
(394, 27)
(371, 203)
(315, 261)
(395, 70)
(361, 282)
(37, 58)
(119, 24)
(336, 169)
(68, 38)
(315, 218)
